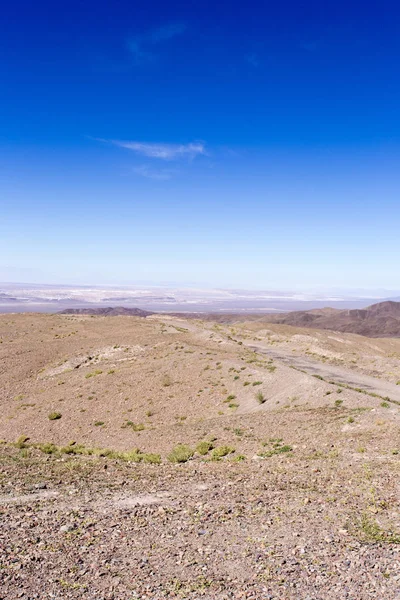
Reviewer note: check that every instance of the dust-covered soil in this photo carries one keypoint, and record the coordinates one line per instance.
(288, 485)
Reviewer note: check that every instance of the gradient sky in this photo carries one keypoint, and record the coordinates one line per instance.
(250, 144)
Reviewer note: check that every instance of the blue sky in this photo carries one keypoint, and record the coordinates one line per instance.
(239, 144)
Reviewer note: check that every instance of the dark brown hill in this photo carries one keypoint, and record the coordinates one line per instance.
(109, 311)
(377, 320)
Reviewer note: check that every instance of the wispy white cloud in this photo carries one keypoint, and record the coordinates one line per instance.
(163, 151)
(141, 46)
(150, 173)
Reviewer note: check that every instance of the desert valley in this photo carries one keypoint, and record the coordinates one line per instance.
(199, 300)
(168, 456)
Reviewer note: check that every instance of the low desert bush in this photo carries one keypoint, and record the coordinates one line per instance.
(221, 451)
(154, 459)
(204, 447)
(21, 441)
(180, 454)
(54, 416)
(134, 426)
(276, 449)
(260, 398)
(47, 448)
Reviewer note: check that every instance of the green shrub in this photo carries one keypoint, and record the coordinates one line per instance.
(154, 459)
(134, 426)
(97, 372)
(180, 454)
(21, 441)
(277, 449)
(131, 456)
(54, 416)
(78, 449)
(221, 451)
(47, 448)
(239, 458)
(204, 447)
(104, 452)
(260, 398)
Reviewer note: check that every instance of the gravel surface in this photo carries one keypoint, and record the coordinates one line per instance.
(289, 489)
(279, 529)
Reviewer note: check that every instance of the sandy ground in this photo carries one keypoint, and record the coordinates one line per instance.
(303, 501)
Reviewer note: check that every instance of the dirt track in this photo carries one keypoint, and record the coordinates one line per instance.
(338, 375)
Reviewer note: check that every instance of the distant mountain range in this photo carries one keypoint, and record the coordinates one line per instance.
(377, 320)
(109, 311)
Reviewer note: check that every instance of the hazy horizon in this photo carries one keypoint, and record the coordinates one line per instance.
(25, 297)
(317, 290)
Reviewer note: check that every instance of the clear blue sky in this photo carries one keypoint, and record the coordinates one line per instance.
(249, 144)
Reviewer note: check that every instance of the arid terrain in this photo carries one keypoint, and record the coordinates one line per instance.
(378, 320)
(165, 457)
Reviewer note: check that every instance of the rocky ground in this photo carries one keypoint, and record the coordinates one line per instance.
(315, 526)
(292, 497)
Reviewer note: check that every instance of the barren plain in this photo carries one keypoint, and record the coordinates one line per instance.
(164, 457)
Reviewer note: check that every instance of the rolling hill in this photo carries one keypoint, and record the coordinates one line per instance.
(377, 320)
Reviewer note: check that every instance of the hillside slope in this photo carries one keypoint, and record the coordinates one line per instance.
(377, 320)
(286, 485)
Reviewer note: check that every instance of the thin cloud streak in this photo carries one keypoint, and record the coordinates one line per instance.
(163, 151)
